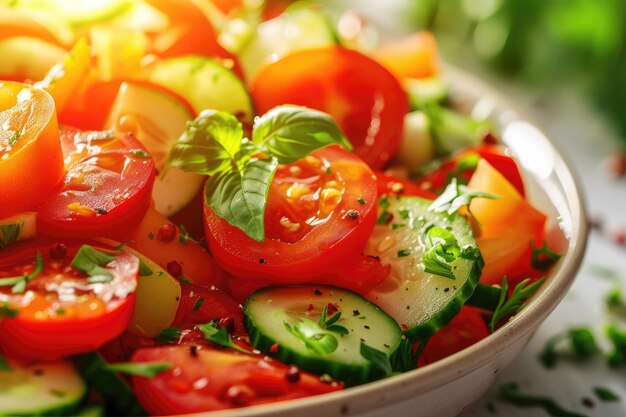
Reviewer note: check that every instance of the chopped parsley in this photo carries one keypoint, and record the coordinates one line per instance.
(10, 233)
(145, 369)
(404, 252)
(617, 336)
(92, 261)
(16, 136)
(579, 342)
(18, 284)
(456, 196)
(510, 393)
(441, 249)
(140, 153)
(605, 394)
(151, 235)
(543, 258)
(360, 201)
(384, 218)
(198, 303)
(511, 305)
(219, 336)
(170, 335)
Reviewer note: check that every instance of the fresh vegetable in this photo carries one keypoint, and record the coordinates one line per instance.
(435, 264)
(53, 388)
(320, 329)
(106, 188)
(19, 227)
(414, 56)
(365, 99)
(157, 118)
(68, 297)
(31, 160)
(209, 379)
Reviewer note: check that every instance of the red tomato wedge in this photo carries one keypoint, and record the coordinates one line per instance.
(415, 56)
(107, 187)
(61, 313)
(465, 329)
(508, 224)
(204, 379)
(319, 215)
(31, 160)
(363, 97)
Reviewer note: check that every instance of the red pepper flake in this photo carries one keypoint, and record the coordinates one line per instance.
(228, 323)
(174, 268)
(262, 260)
(317, 292)
(239, 395)
(615, 164)
(618, 236)
(404, 327)
(166, 233)
(490, 139)
(274, 348)
(332, 309)
(310, 307)
(58, 251)
(293, 375)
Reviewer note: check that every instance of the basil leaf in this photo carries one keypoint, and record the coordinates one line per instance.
(240, 196)
(291, 132)
(145, 369)
(91, 261)
(208, 145)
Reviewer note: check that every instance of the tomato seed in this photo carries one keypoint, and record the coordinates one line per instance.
(58, 251)
(293, 375)
(174, 268)
(166, 233)
(228, 323)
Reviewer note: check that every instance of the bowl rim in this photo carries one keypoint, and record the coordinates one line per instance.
(477, 355)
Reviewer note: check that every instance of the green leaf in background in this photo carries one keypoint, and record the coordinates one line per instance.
(291, 132)
(240, 197)
(208, 145)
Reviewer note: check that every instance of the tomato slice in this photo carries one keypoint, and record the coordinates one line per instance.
(319, 215)
(61, 313)
(463, 165)
(465, 329)
(363, 97)
(204, 379)
(200, 305)
(393, 186)
(31, 160)
(107, 187)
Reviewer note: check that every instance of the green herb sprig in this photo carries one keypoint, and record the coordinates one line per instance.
(18, 284)
(441, 249)
(456, 196)
(511, 305)
(241, 169)
(145, 369)
(219, 336)
(510, 393)
(542, 258)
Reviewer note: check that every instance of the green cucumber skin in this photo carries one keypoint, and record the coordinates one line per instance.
(421, 331)
(351, 375)
(113, 389)
(426, 330)
(66, 406)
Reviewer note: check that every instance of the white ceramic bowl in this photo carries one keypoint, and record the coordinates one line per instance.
(446, 387)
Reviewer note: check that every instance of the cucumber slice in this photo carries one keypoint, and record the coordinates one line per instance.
(417, 147)
(297, 29)
(19, 227)
(419, 301)
(119, 397)
(205, 84)
(40, 389)
(28, 57)
(274, 316)
(158, 119)
(425, 91)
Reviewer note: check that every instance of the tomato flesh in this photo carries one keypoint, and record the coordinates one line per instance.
(319, 214)
(107, 186)
(365, 99)
(204, 379)
(61, 313)
(31, 160)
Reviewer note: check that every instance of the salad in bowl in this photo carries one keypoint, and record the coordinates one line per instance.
(217, 205)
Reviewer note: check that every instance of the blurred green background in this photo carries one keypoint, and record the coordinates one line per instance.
(549, 45)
